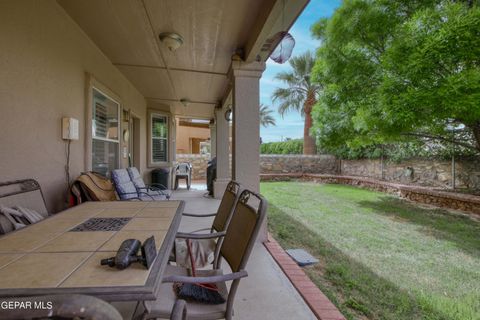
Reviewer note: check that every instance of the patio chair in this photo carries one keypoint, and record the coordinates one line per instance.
(220, 222)
(151, 189)
(183, 171)
(127, 190)
(71, 306)
(24, 197)
(236, 248)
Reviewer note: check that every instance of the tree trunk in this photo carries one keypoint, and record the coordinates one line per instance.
(309, 145)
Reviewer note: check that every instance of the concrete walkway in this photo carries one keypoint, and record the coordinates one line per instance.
(266, 293)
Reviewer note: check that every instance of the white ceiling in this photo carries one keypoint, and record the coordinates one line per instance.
(127, 32)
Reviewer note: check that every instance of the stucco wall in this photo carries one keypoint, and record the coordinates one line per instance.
(184, 134)
(44, 60)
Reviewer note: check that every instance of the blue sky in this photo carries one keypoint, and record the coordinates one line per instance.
(291, 125)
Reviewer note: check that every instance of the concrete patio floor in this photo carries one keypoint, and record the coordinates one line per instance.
(266, 293)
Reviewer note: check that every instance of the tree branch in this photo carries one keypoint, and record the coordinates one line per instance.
(440, 138)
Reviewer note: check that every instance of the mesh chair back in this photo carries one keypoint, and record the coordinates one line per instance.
(226, 206)
(243, 229)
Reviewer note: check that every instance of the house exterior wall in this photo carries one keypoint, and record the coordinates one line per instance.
(184, 134)
(45, 62)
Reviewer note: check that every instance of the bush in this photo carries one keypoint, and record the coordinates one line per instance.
(284, 147)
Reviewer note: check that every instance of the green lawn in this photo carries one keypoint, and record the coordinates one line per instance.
(380, 257)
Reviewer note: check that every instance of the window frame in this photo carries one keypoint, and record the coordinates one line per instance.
(167, 116)
(92, 90)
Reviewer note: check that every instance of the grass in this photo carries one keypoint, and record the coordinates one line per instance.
(380, 257)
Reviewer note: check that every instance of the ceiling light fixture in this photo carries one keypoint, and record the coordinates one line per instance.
(171, 40)
(185, 102)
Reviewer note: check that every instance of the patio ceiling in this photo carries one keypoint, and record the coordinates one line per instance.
(127, 32)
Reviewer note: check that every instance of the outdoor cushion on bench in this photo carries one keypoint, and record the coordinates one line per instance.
(21, 203)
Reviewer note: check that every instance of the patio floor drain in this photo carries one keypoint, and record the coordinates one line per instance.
(102, 224)
(301, 257)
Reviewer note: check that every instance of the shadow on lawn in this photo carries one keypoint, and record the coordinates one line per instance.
(355, 289)
(438, 223)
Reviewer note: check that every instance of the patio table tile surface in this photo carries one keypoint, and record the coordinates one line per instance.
(148, 224)
(40, 270)
(92, 274)
(48, 255)
(118, 213)
(114, 243)
(77, 241)
(23, 241)
(6, 258)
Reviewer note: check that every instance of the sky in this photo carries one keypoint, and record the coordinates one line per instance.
(291, 125)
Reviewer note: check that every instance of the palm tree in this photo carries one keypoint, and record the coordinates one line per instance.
(266, 118)
(300, 94)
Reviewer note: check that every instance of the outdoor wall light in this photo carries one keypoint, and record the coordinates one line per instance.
(171, 40)
(228, 114)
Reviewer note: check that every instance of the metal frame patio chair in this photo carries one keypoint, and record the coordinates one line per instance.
(236, 248)
(127, 189)
(220, 223)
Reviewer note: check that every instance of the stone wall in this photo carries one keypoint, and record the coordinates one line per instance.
(419, 172)
(298, 164)
(199, 164)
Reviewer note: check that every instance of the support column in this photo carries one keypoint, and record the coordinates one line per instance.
(246, 123)
(222, 151)
(213, 139)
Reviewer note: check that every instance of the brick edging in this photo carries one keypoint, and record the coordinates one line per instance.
(318, 302)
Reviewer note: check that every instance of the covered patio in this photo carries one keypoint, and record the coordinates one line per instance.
(97, 86)
(265, 294)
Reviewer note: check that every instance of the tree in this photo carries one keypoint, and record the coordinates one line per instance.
(397, 70)
(266, 118)
(300, 94)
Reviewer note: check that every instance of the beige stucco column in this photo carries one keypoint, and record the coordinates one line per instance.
(213, 139)
(222, 151)
(246, 123)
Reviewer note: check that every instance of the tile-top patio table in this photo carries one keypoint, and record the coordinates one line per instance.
(51, 258)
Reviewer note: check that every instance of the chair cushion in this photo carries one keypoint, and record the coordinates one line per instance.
(162, 307)
(136, 177)
(123, 184)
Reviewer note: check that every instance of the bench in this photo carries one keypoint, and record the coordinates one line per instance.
(24, 193)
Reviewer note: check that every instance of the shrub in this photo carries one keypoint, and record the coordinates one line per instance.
(284, 147)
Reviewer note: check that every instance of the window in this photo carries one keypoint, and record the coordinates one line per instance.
(159, 138)
(105, 133)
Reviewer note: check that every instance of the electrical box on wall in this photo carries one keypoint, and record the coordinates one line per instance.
(70, 129)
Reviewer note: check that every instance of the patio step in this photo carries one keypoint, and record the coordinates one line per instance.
(318, 302)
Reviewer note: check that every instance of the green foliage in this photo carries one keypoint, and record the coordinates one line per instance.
(398, 71)
(401, 151)
(266, 118)
(284, 147)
